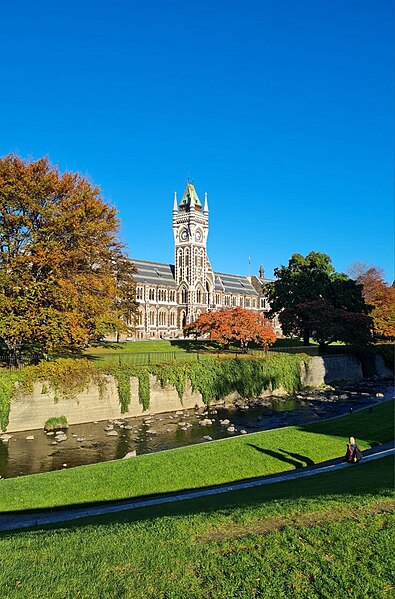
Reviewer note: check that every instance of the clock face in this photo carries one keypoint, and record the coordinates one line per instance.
(184, 234)
(198, 236)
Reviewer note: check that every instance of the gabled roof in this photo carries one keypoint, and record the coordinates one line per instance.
(157, 273)
(190, 198)
(154, 272)
(233, 284)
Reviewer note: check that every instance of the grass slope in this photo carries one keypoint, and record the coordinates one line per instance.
(200, 465)
(329, 536)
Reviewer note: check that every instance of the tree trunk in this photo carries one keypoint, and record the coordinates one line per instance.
(306, 337)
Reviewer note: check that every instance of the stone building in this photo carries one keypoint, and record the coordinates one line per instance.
(173, 295)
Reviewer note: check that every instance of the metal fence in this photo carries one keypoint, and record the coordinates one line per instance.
(147, 358)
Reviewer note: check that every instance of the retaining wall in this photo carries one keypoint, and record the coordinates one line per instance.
(32, 411)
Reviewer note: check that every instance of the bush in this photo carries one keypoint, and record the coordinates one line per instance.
(56, 423)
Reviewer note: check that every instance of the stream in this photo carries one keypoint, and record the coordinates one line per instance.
(90, 443)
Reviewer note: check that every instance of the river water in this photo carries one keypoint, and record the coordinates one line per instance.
(90, 443)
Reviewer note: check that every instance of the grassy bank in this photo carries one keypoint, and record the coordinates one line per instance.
(328, 537)
(200, 465)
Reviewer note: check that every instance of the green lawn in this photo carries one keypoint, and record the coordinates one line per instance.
(200, 465)
(328, 536)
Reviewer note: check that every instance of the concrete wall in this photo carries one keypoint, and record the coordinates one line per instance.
(331, 368)
(30, 412)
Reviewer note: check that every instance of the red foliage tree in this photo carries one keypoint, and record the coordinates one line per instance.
(379, 295)
(233, 325)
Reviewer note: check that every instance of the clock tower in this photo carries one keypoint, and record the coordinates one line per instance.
(193, 273)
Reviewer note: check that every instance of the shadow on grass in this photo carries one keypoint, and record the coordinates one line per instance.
(308, 461)
(277, 455)
(371, 478)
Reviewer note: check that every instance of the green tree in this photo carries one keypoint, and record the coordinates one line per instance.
(60, 259)
(312, 300)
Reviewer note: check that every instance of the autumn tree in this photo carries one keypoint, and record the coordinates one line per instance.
(233, 325)
(378, 294)
(312, 300)
(61, 263)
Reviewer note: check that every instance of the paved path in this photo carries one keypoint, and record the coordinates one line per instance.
(19, 520)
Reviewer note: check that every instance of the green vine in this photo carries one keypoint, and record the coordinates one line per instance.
(214, 377)
(167, 374)
(122, 376)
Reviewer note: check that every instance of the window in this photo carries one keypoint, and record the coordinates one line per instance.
(152, 318)
(139, 293)
(217, 299)
(233, 301)
(198, 297)
(151, 295)
(172, 319)
(247, 302)
(172, 296)
(162, 318)
(140, 318)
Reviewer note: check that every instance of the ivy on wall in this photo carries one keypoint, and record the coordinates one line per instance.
(213, 377)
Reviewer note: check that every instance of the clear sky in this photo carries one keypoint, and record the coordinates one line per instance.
(281, 110)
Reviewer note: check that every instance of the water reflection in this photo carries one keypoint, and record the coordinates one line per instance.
(89, 443)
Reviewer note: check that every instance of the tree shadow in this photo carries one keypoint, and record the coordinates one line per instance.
(308, 461)
(277, 456)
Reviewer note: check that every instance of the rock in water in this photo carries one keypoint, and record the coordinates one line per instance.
(205, 422)
(112, 434)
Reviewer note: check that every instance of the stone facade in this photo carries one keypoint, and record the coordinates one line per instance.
(171, 296)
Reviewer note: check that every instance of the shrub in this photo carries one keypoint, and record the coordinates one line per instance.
(56, 423)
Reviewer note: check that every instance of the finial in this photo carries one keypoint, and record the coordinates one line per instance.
(205, 209)
(261, 272)
(175, 205)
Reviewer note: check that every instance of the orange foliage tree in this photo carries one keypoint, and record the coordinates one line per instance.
(379, 295)
(233, 325)
(63, 275)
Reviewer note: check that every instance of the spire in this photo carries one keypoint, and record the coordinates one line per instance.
(190, 198)
(261, 272)
(205, 209)
(175, 206)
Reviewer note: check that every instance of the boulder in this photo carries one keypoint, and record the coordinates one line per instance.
(130, 454)
(207, 438)
(231, 429)
(5, 438)
(30, 438)
(151, 431)
(112, 433)
(205, 422)
(225, 422)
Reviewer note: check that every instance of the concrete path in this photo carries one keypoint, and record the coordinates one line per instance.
(18, 520)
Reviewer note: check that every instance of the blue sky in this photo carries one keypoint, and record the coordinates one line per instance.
(282, 111)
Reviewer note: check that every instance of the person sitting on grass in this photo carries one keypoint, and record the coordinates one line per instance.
(353, 453)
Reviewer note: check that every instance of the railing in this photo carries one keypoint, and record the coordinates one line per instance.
(11, 361)
(147, 358)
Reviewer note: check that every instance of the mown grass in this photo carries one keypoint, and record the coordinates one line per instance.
(200, 465)
(329, 536)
